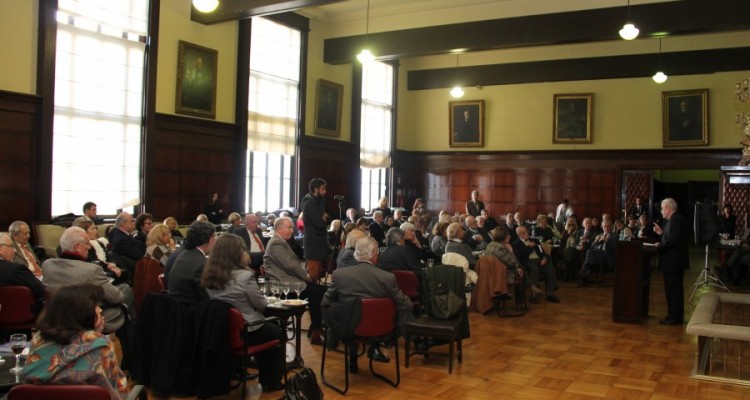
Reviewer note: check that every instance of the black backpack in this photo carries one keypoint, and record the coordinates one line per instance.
(303, 386)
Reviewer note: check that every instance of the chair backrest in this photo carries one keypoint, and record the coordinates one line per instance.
(160, 278)
(378, 317)
(48, 237)
(58, 392)
(456, 260)
(236, 327)
(146, 280)
(408, 283)
(17, 305)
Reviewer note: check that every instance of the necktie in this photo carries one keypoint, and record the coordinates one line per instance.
(33, 266)
(257, 240)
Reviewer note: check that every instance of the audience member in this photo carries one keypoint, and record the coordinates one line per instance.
(456, 245)
(489, 221)
(351, 216)
(377, 228)
(143, 225)
(235, 221)
(283, 265)
(185, 275)
(571, 256)
(315, 217)
(728, 221)
(646, 232)
(252, 236)
(89, 212)
(213, 210)
(98, 253)
(602, 251)
(638, 208)
(536, 263)
(383, 207)
(123, 243)
(20, 233)
(474, 207)
(398, 255)
(159, 244)
(226, 277)
(346, 255)
(501, 249)
(439, 238)
(13, 274)
(564, 211)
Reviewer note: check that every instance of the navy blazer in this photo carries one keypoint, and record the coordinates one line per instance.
(673, 248)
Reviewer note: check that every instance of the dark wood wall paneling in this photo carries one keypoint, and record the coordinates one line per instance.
(19, 122)
(192, 158)
(337, 163)
(536, 182)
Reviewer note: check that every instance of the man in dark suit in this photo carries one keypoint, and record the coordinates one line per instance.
(602, 250)
(377, 227)
(253, 238)
(127, 250)
(12, 274)
(489, 221)
(637, 209)
(474, 207)
(365, 281)
(346, 255)
(536, 263)
(185, 274)
(315, 218)
(673, 259)
(398, 255)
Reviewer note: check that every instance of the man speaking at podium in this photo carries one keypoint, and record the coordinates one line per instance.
(673, 259)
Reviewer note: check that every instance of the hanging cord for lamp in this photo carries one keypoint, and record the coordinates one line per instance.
(365, 56)
(629, 31)
(457, 92)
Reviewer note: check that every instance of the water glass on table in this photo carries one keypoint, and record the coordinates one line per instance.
(17, 345)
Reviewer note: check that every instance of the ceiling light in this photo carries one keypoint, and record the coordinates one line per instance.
(659, 77)
(205, 6)
(629, 31)
(457, 92)
(365, 56)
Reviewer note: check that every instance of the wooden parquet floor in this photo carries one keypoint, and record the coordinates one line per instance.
(567, 351)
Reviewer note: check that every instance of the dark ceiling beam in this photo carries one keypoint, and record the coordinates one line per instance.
(671, 18)
(630, 66)
(231, 10)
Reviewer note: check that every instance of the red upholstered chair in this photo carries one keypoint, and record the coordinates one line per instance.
(409, 284)
(160, 278)
(378, 321)
(239, 348)
(17, 312)
(147, 273)
(69, 392)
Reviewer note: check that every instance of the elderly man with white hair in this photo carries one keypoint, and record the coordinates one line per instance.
(365, 281)
(19, 232)
(14, 274)
(346, 255)
(399, 256)
(673, 259)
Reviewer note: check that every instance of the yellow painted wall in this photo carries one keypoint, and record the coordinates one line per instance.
(626, 113)
(18, 39)
(686, 175)
(175, 25)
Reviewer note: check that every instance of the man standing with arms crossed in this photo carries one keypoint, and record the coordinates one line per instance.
(315, 218)
(673, 260)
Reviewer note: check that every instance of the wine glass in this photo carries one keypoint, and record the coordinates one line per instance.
(276, 290)
(17, 344)
(285, 289)
(298, 288)
(262, 285)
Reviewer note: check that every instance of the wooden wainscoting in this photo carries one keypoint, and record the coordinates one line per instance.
(335, 161)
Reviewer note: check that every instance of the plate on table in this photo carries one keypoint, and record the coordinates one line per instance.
(294, 302)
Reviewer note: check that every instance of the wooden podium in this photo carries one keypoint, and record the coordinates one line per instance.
(632, 281)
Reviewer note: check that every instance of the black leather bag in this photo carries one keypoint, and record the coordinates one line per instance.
(303, 386)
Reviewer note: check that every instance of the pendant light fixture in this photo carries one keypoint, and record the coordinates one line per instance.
(629, 31)
(365, 56)
(659, 76)
(205, 6)
(457, 92)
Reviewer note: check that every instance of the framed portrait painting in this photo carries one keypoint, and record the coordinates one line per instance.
(685, 117)
(572, 121)
(328, 108)
(196, 80)
(466, 125)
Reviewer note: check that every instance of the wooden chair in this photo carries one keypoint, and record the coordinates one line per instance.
(69, 392)
(378, 321)
(146, 279)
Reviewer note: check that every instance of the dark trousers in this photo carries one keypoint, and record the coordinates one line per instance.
(269, 361)
(536, 270)
(674, 291)
(314, 295)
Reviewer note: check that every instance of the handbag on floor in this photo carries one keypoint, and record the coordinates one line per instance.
(303, 386)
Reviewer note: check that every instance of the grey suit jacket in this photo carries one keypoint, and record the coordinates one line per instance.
(282, 264)
(185, 277)
(366, 281)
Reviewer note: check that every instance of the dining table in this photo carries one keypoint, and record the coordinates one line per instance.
(286, 310)
(8, 379)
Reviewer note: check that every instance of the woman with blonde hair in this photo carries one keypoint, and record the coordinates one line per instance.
(159, 243)
(226, 277)
(171, 223)
(235, 220)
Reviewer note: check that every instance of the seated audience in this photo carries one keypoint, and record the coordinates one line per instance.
(89, 212)
(596, 226)
(571, 256)
(621, 231)
(185, 275)
(363, 224)
(70, 349)
(728, 221)
(646, 232)
(202, 218)
(123, 243)
(398, 216)
(398, 255)
(489, 221)
(226, 277)
(13, 274)
(383, 207)
(160, 244)
(72, 268)
(143, 225)
(351, 216)
(98, 253)
(283, 265)
(535, 263)
(602, 251)
(439, 238)
(472, 236)
(253, 238)
(455, 244)
(346, 255)
(235, 221)
(171, 223)
(365, 281)
(542, 230)
(501, 249)
(412, 239)
(377, 228)
(20, 233)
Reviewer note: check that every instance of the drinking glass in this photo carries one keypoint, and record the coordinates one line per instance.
(276, 290)
(298, 288)
(262, 285)
(285, 289)
(17, 344)
(430, 262)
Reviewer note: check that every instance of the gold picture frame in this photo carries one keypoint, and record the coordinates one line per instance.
(572, 121)
(466, 123)
(328, 102)
(196, 80)
(685, 118)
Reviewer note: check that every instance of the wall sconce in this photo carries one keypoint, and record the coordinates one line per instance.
(365, 56)
(659, 77)
(457, 92)
(205, 6)
(629, 31)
